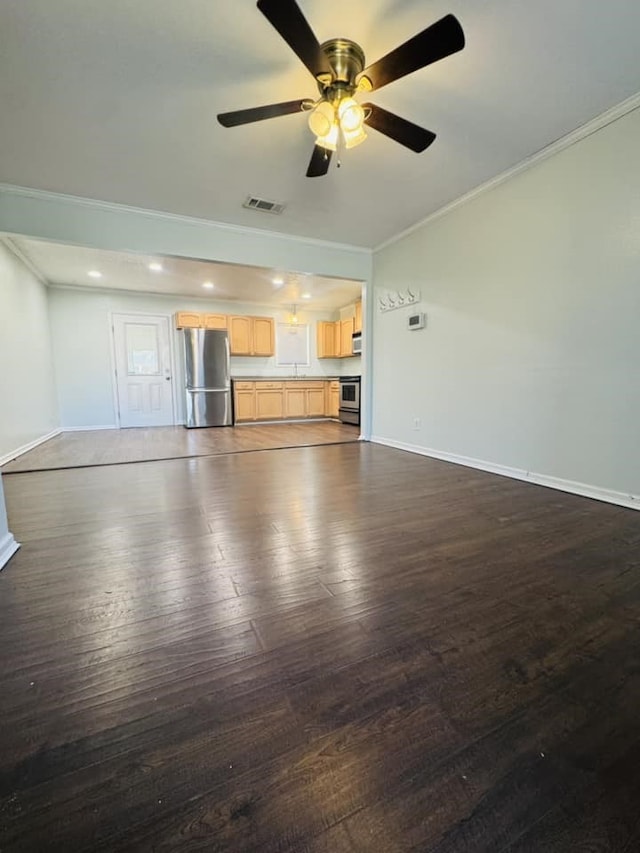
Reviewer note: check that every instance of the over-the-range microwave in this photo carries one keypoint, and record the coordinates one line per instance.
(356, 344)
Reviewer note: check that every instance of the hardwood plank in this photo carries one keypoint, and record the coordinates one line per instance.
(115, 447)
(338, 648)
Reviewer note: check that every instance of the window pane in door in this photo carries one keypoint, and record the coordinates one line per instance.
(143, 357)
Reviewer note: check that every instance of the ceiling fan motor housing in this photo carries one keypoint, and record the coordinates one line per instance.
(347, 61)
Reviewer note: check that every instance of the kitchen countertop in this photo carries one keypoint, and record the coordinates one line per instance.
(285, 378)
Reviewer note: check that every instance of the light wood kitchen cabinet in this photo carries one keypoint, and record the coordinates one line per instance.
(263, 332)
(269, 401)
(214, 321)
(326, 339)
(332, 403)
(239, 335)
(266, 400)
(244, 401)
(188, 320)
(251, 335)
(346, 338)
(305, 399)
(295, 401)
(357, 320)
(315, 402)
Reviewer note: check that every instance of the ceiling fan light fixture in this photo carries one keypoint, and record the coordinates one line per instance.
(353, 137)
(321, 119)
(330, 140)
(351, 115)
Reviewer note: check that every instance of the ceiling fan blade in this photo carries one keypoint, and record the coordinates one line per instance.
(319, 163)
(439, 40)
(288, 20)
(261, 113)
(399, 129)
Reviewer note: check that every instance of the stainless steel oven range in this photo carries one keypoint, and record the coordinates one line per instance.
(349, 411)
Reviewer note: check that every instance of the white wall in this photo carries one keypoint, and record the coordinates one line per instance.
(531, 355)
(28, 408)
(82, 348)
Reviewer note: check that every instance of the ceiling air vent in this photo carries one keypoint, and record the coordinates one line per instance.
(262, 204)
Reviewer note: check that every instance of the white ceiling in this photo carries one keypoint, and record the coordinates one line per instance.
(118, 100)
(70, 265)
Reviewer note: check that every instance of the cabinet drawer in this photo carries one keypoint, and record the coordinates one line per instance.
(272, 386)
(243, 386)
(305, 385)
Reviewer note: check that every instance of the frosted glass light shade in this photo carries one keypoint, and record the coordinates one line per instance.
(330, 139)
(322, 118)
(351, 115)
(354, 137)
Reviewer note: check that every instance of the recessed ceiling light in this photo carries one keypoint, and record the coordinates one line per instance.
(208, 285)
(306, 296)
(278, 281)
(154, 266)
(94, 274)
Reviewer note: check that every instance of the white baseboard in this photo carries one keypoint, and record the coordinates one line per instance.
(571, 486)
(88, 428)
(8, 457)
(8, 547)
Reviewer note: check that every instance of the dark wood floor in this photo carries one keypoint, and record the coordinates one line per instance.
(117, 446)
(337, 649)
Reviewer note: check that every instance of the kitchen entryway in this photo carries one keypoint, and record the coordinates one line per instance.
(115, 447)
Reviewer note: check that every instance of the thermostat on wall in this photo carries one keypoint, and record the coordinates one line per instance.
(416, 321)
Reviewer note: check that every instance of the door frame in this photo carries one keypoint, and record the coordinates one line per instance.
(114, 359)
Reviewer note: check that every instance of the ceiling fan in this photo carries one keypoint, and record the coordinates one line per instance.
(338, 66)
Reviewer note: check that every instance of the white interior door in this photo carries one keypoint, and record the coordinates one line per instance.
(143, 370)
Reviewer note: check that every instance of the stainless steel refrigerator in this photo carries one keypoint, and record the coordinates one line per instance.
(208, 400)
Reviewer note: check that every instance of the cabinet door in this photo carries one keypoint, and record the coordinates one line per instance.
(334, 405)
(357, 323)
(315, 402)
(215, 321)
(326, 339)
(295, 403)
(263, 336)
(188, 320)
(269, 404)
(245, 401)
(239, 335)
(346, 337)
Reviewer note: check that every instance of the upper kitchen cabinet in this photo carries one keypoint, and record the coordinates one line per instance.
(196, 320)
(239, 335)
(346, 338)
(326, 339)
(251, 335)
(263, 331)
(215, 321)
(188, 320)
(357, 320)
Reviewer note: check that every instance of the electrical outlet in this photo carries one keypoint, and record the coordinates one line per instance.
(417, 423)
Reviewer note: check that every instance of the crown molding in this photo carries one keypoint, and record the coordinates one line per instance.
(598, 123)
(112, 207)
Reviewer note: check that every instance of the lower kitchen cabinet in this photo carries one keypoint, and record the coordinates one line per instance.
(333, 399)
(264, 400)
(269, 401)
(295, 401)
(315, 401)
(245, 401)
